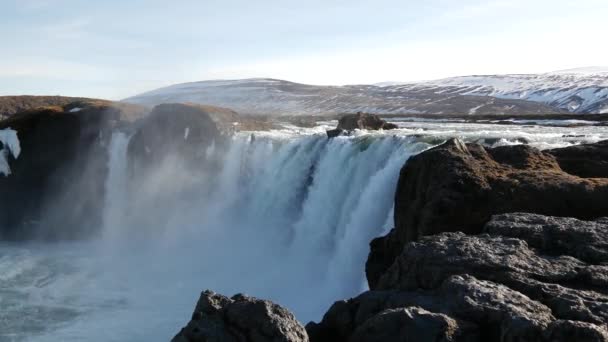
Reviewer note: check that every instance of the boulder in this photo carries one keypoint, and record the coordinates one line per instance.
(527, 277)
(360, 120)
(217, 318)
(59, 175)
(458, 187)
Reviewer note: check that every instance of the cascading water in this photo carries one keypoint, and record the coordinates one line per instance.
(286, 219)
(116, 185)
(277, 215)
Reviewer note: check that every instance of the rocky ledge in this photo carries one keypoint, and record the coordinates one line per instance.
(458, 187)
(527, 277)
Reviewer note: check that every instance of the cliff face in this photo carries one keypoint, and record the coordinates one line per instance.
(458, 187)
(60, 146)
(60, 174)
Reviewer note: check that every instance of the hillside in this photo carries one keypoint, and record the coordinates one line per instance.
(10, 105)
(279, 97)
(583, 90)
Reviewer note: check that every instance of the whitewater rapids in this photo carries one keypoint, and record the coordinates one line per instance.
(285, 215)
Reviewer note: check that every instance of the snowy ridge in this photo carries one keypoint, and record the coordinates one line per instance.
(582, 90)
(10, 144)
(270, 96)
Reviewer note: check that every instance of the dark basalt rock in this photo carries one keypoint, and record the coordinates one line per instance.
(363, 121)
(60, 147)
(332, 133)
(527, 278)
(244, 319)
(584, 240)
(586, 160)
(458, 187)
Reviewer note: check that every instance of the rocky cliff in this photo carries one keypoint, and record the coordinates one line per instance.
(458, 187)
(60, 173)
(60, 147)
(527, 277)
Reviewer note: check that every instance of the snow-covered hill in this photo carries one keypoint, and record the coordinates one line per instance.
(583, 90)
(577, 91)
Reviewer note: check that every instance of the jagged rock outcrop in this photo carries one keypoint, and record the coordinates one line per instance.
(178, 130)
(60, 147)
(363, 121)
(240, 319)
(360, 120)
(458, 187)
(585, 160)
(528, 277)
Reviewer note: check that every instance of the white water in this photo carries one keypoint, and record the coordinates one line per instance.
(284, 215)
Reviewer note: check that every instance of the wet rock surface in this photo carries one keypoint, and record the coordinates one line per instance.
(217, 318)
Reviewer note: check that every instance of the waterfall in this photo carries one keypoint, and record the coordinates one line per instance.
(284, 217)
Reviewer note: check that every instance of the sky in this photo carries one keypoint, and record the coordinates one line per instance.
(118, 48)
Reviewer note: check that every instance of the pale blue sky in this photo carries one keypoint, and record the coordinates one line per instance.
(117, 48)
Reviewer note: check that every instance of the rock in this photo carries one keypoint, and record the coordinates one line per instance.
(584, 240)
(571, 288)
(458, 187)
(411, 323)
(182, 131)
(586, 160)
(363, 121)
(332, 133)
(221, 319)
(566, 331)
(462, 308)
(61, 147)
(527, 277)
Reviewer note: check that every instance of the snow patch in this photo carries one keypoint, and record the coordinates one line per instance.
(10, 143)
(186, 133)
(76, 109)
(474, 109)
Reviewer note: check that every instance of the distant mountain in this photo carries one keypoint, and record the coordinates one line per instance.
(583, 90)
(559, 92)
